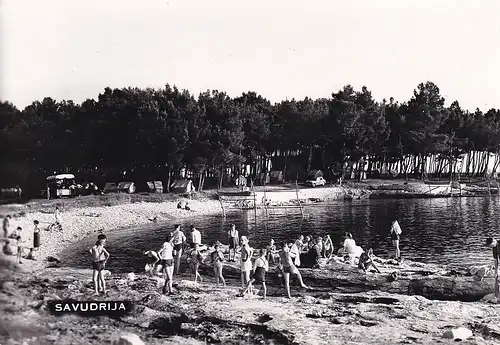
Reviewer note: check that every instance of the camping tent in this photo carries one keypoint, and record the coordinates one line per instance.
(314, 174)
(126, 187)
(276, 176)
(155, 186)
(182, 186)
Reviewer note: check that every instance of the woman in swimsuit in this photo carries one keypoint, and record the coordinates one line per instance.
(167, 263)
(98, 264)
(289, 268)
(366, 260)
(260, 267)
(246, 261)
(178, 240)
(194, 261)
(218, 260)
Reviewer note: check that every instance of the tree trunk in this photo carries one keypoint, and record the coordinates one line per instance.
(284, 168)
(221, 176)
(168, 179)
(309, 158)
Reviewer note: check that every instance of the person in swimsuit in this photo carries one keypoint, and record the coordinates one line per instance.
(260, 267)
(167, 262)
(327, 247)
(195, 237)
(99, 258)
(395, 231)
(366, 260)
(271, 251)
(289, 268)
(218, 261)
(232, 235)
(178, 240)
(152, 259)
(17, 235)
(194, 261)
(246, 261)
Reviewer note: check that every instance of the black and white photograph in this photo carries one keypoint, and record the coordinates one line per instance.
(249, 172)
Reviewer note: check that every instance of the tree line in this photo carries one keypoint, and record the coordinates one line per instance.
(161, 131)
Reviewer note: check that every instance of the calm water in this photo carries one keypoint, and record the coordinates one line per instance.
(447, 231)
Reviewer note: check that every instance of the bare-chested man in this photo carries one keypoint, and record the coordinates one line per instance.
(99, 258)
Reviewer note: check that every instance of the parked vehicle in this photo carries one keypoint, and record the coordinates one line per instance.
(318, 181)
(61, 185)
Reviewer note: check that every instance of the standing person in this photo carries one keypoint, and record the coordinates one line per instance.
(194, 260)
(327, 247)
(99, 258)
(36, 235)
(6, 226)
(218, 261)
(178, 240)
(395, 232)
(18, 236)
(233, 238)
(195, 237)
(246, 261)
(167, 262)
(289, 268)
(48, 192)
(295, 251)
(260, 267)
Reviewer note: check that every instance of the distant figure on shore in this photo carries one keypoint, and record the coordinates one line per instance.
(395, 233)
(217, 257)
(183, 205)
(260, 267)
(57, 216)
(167, 263)
(195, 237)
(233, 238)
(194, 260)
(6, 226)
(366, 261)
(99, 258)
(289, 268)
(246, 261)
(36, 235)
(271, 251)
(152, 261)
(178, 240)
(18, 236)
(327, 247)
(495, 245)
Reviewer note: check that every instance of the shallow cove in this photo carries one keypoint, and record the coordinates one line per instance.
(448, 231)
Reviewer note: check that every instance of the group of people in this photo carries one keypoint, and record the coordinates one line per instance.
(18, 235)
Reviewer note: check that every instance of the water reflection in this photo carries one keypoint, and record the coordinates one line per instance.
(450, 231)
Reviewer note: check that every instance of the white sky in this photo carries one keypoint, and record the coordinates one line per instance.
(69, 49)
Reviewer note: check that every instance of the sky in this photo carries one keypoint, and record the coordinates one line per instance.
(67, 49)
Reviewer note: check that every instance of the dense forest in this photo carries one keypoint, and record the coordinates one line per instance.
(159, 132)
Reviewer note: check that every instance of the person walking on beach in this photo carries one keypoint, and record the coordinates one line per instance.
(194, 261)
(495, 245)
(395, 233)
(260, 267)
(99, 258)
(195, 237)
(6, 226)
(167, 262)
(246, 261)
(178, 240)
(218, 261)
(233, 238)
(289, 268)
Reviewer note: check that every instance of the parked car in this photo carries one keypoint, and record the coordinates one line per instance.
(318, 181)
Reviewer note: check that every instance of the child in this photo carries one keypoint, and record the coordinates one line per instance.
(194, 261)
(218, 260)
(17, 234)
(98, 263)
(260, 267)
(167, 262)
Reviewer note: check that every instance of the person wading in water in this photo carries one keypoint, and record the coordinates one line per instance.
(395, 233)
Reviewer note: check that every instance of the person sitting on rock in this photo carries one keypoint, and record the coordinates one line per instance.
(349, 244)
(365, 261)
(217, 257)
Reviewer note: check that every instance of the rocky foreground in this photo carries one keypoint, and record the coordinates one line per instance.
(203, 313)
